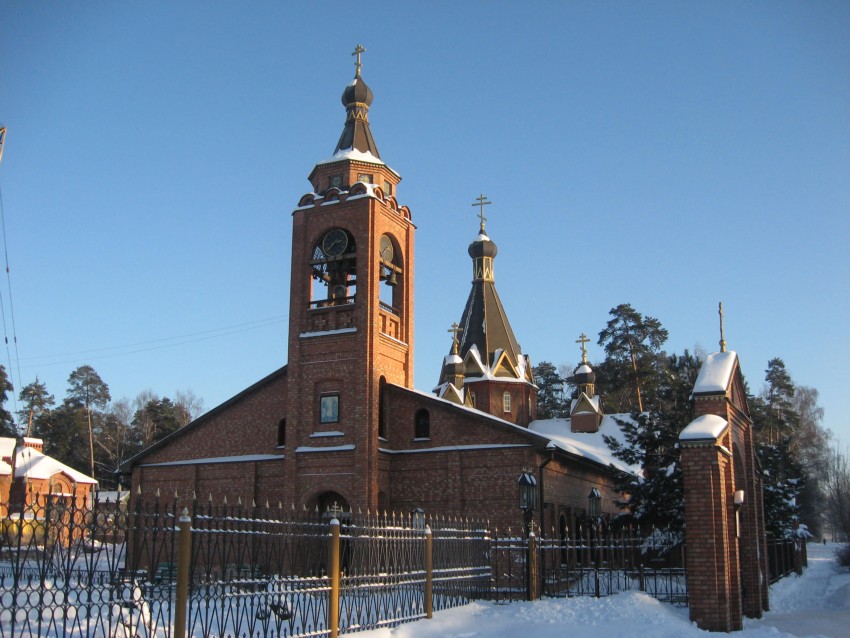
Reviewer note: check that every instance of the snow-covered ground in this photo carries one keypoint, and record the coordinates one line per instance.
(815, 604)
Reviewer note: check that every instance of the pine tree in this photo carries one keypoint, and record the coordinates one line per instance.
(7, 423)
(656, 495)
(550, 392)
(632, 345)
(87, 391)
(36, 401)
(776, 423)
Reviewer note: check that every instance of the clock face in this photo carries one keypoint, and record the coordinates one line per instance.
(386, 249)
(335, 242)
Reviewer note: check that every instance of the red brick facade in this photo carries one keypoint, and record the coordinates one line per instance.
(380, 444)
(727, 557)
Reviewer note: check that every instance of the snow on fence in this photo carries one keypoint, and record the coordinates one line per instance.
(593, 560)
(67, 570)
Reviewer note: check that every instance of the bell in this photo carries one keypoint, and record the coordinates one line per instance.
(392, 280)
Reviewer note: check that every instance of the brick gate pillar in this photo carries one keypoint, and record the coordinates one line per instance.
(714, 587)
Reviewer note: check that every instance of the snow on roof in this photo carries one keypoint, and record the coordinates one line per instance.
(716, 373)
(112, 496)
(707, 426)
(5, 468)
(244, 458)
(583, 369)
(37, 465)
(353, 154)
(589, 445)
(452, 358)
(7, 446)
(594, 401)
(33, 440)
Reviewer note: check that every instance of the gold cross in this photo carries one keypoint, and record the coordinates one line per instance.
(357, 51)
(481, 202)
(583, 340)
(455, 329)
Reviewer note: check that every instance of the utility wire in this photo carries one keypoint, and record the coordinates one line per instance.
(17, 367)
(154, 344)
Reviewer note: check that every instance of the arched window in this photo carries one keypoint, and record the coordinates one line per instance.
(281, 433)
(422, 424)
(506, 402)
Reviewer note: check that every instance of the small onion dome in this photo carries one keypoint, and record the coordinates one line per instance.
(357, 92)
(453, 366)
(584, 375)
(482, 247)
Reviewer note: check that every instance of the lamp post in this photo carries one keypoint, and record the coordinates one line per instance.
(527, 496)
(594, 505)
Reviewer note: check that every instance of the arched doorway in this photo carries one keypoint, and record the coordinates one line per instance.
(333, 505)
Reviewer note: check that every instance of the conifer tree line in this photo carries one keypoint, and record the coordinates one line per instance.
(87, 430)
(806, 476)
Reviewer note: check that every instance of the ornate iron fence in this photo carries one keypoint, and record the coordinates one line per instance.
(68, 570)
(594, 561)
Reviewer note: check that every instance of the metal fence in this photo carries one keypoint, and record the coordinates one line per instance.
(784, 557)
(67, 570)
(592, 561)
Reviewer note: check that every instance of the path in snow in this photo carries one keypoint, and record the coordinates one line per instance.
(814, 605)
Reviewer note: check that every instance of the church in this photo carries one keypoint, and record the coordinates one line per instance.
(341, 425)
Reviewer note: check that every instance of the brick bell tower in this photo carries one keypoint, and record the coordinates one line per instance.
(350, 315)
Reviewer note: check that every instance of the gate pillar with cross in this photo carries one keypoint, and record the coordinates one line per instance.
(724, 516)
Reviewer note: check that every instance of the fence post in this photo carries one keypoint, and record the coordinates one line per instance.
(333, 573)
(184, 550)
(531, 568)
(429, 572)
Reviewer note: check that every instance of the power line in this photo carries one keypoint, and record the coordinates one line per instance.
(153, 344)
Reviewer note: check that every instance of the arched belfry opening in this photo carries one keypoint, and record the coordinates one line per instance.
(333, 269)
(390, 275)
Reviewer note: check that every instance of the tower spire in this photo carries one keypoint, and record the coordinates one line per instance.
(722, 339)
(357, 97)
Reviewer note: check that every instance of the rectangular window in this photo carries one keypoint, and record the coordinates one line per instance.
(329, 408)
(364, 177)
(388, 188)
(506, 402)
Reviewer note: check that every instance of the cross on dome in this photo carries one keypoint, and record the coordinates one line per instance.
(583, 340)
(481, 202)
(722, 338)
(357, 65)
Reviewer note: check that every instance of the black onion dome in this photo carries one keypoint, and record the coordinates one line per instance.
(482, 247)
(356, 135)
(454, 366)
(584, 375)
(357, 92)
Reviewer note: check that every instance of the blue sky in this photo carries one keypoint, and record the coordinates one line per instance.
(664, 154)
